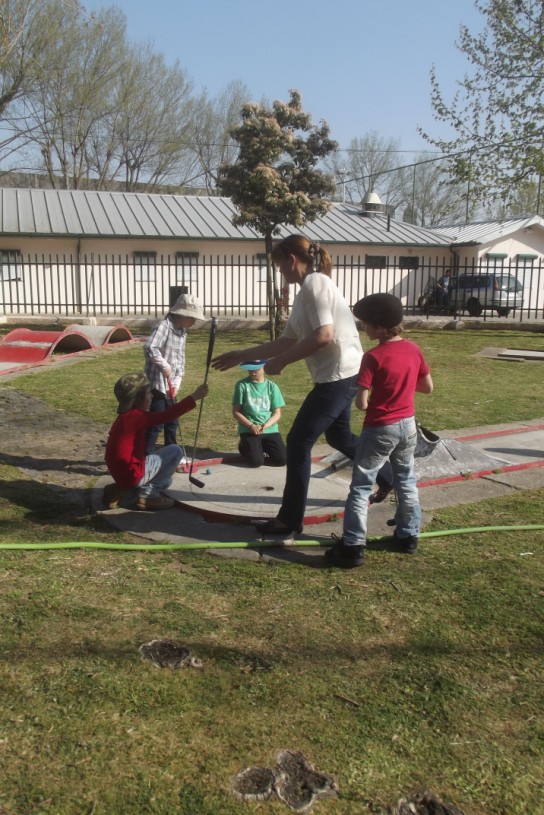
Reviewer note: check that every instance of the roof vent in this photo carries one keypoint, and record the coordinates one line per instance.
(372, 205)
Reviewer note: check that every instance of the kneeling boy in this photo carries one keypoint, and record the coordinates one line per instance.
(125, 448)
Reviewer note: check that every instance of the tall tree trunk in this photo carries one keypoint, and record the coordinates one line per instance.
(271, 293)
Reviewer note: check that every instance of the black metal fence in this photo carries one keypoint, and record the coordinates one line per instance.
(129, 286)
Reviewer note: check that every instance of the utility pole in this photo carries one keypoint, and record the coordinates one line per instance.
(342, 172)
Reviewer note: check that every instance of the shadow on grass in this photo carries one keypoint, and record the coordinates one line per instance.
(258, 661)
(49, 503)
(83, 467)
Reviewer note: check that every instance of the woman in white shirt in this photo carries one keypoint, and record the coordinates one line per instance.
(321, 330)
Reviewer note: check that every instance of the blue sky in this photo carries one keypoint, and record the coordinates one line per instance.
(361, 65)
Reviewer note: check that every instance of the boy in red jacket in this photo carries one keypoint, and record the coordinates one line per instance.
(125, 448)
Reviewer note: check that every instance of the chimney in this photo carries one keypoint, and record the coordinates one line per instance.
(372, 206)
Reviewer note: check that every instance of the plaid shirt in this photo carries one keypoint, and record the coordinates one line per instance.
(165, 346)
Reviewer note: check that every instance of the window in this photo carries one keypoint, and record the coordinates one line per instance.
(525, 261)
(495, 260)
(376, 261)
(408, 262)
(144, 266)
(186, 268)
(10, 264)
(261, 267)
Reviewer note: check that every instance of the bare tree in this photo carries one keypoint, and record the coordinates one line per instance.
(430, 196)
(369, 165)
(151, 125)
(24, 30)
(72, 93)
(524, 201)
(212, 127)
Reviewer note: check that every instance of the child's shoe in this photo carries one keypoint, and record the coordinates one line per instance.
(111, 495)
(154, 503)
(408, 545)
(346, 557)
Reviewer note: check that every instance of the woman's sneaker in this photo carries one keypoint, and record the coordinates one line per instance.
(154, 503)
(380, 495)
(346, 557)
(274, 527)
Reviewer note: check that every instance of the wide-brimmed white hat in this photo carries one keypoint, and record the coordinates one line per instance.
(188, 306)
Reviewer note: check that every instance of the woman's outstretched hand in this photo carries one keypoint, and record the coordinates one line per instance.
(274, 366)
(227, 360)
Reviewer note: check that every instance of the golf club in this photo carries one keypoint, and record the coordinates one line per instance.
(213, 329)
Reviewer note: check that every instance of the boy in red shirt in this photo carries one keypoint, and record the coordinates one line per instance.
(125, 448)
(390, 374)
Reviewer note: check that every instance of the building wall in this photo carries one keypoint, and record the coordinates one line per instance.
(108, 276)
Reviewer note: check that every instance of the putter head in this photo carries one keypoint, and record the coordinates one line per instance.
(196, 481)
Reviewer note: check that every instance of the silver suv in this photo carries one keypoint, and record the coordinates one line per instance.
(476, 291)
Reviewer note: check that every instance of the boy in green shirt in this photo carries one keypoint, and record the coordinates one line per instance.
(256, 406)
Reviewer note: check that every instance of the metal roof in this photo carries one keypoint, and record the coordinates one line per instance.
(486, 231)
(91, 214)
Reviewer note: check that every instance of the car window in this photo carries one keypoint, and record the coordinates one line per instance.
(473, 281)
(508, 282)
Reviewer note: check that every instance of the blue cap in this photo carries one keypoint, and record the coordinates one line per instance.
(254, 364)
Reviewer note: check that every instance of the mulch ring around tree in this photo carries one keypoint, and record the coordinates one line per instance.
(293, 780)
(168, 654)
(297, 784)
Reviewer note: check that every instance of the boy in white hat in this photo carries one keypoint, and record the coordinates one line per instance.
(256, 406)
(165, 363)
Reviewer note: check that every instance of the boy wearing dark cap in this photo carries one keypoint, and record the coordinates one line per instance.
(256, 406)
(125, 448)
(390, 374)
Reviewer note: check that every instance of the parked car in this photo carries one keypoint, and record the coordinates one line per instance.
(476, 292)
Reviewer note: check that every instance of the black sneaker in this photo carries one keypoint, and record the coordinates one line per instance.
(345, 557)
(408, 545)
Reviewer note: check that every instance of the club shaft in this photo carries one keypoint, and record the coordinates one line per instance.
(211, 343)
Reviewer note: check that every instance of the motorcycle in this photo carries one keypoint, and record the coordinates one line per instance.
(430, 299)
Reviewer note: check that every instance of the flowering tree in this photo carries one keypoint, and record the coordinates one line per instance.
(275, 179)
(497, 114)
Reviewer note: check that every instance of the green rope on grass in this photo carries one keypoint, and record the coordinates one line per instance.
(172, 547)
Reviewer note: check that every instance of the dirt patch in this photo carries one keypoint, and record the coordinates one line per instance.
(51, 446)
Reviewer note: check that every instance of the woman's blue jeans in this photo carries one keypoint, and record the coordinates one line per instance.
(397, 442)
(326, 409)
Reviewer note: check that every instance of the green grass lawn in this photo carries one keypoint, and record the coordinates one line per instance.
(410, 673)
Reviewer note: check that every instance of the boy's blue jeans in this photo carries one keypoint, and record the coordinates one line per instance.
(159, 470)
(160, 402)
(376, 444)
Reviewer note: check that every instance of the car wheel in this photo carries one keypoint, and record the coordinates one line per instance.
(474, 308)
(503, 312)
